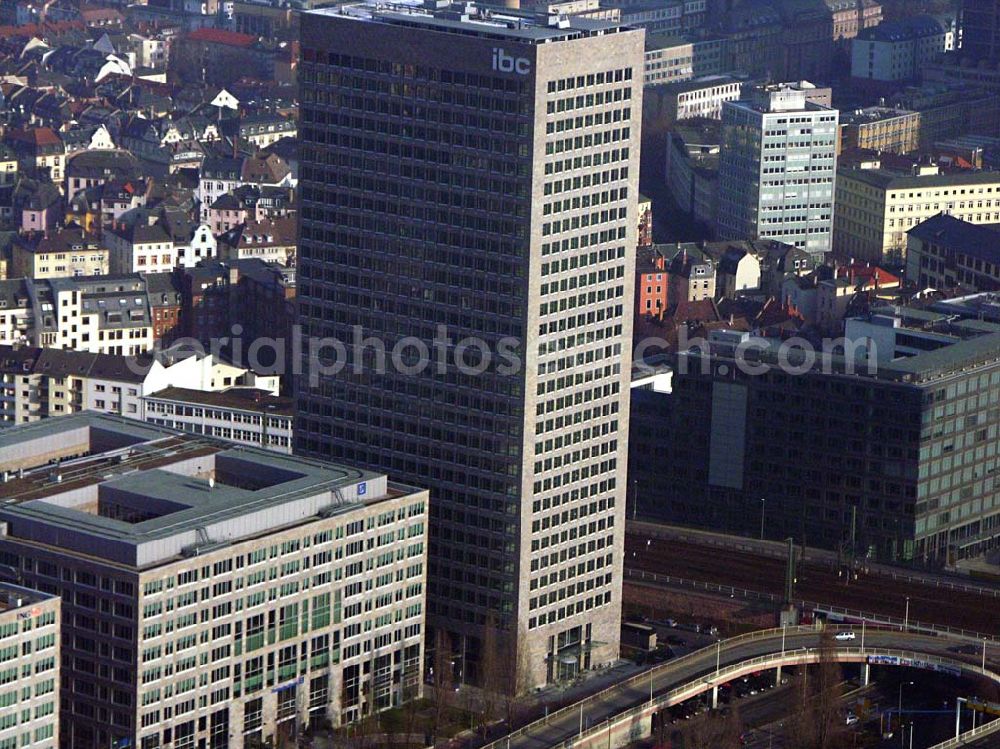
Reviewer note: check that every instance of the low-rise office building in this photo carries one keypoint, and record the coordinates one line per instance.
(945, 252)
(875, 208)
(880, 129)
(214, 596)
(692, 168)
(698, 97)
(247, 416)
(30, 623)
(670, 58)
(897, 51)
(894, 450)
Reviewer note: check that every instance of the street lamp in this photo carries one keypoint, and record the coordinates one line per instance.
(762, 503)
(900, 708)
(906, 616)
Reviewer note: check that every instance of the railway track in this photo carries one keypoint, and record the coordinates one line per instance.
(927, 602)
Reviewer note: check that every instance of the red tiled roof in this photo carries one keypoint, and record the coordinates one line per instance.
(703, 310)
(35, 29)
(222, 36)
(94, 13)
(869, 274)
(39, 136)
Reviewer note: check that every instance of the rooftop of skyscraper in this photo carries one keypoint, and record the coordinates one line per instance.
(467, 18)
(13, 597)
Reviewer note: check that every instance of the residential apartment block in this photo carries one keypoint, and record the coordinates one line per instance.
(36, 383)
(213, 596)
(30, 663)
(777, 169)
(505, 144)
(64, 253)
(875, 208)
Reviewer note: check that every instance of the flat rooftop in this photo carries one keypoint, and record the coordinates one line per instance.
(971, 344)
(14, 597)
(696, 84)
(468, 19)
(140, 495)
(888, 179)
(872, 114)
(240, 399)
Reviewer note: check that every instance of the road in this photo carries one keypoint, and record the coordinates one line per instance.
(817, 583)
(597, 709)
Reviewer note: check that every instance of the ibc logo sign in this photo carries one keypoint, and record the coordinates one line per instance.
(504, 63)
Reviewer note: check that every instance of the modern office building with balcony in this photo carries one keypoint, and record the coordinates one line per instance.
(213, 596)
(469, 183)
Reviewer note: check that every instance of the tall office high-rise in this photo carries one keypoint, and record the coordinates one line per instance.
(981, 29)
(471, 173)
(777, 169)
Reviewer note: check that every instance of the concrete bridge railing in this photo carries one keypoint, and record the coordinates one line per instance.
(645, 676)
(973, 735)
(636, 722)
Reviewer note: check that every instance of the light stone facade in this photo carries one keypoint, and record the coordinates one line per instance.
(29, 668)
(221, 596)
(510, 143)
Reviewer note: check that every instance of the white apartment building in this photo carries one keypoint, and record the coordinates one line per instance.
(218, 177)
(16, 318)
(99, 314)
(214, 596)
(40, 382)
(140, 248)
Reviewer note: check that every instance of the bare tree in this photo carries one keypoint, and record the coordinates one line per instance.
(714, 731)
(815, 721)
(518, 681)
(827, 693)
(491, 676)
(410, 709)
(444, 684)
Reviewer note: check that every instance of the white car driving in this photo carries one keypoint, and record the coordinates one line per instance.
(844, 636)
